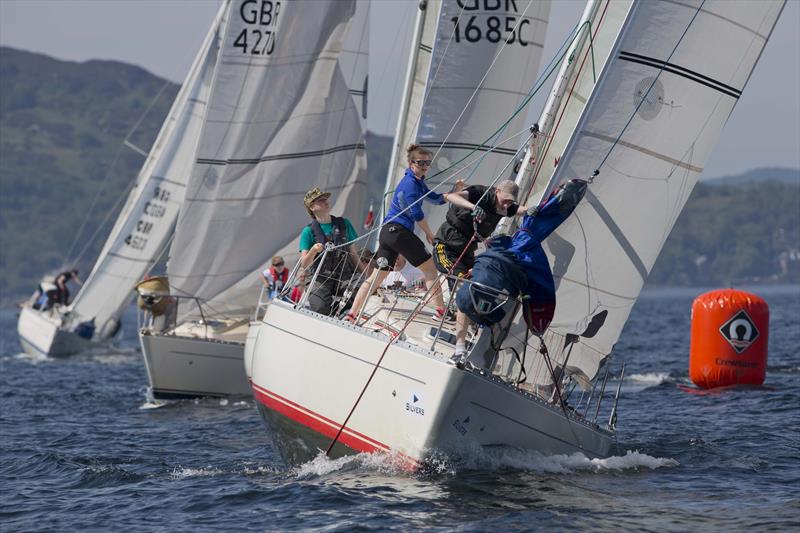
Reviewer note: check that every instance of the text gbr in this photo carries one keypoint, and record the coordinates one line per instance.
(258, 41)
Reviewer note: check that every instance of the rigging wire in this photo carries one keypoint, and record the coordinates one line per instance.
(103, 184)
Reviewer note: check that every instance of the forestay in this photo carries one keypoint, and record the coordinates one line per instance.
(677, 71)
(148, 218)
(285, 115)
(582, 64)
(485, 58)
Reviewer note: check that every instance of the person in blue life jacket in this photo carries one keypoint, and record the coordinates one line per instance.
(275, 277)
(397, 232)
(516, 265)
(338, 272)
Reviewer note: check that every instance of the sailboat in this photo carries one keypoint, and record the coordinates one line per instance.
(672, 76)
(286, 113)
(139, 235)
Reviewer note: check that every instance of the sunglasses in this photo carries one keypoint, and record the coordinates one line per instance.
(278, 265)
(422, 162)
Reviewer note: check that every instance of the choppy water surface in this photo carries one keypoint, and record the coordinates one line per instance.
(81, 448)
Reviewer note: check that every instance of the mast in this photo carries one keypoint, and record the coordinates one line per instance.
(400, 130)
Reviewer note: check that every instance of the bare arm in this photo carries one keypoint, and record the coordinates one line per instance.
(459, 199)
(423, 224)
(307, 256)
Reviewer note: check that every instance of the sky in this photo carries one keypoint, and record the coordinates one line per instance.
(163, 37)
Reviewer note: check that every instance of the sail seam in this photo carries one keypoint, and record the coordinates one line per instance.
(644, 150)
(279, 157)
(683, 72)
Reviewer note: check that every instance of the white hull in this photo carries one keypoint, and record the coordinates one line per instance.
(40, 334)
(186, 367)
(416, 403)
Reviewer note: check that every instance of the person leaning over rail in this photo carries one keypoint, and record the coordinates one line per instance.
(458, 236)
(337, 274)
(397, 232)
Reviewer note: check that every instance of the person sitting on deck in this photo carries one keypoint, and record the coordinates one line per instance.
(338, 273)
(275, 277)
(514, 265)
(62, 295)
(397, 232)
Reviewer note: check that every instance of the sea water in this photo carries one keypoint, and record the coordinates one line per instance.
(82, 448)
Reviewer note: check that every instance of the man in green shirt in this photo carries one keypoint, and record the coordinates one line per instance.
(338, 273)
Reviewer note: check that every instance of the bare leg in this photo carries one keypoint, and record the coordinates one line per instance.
(367, 288)
(431, 275)
(462, 327)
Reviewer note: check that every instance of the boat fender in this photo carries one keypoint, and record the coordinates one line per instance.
(729, 339)
(86, 329)
(110, 328)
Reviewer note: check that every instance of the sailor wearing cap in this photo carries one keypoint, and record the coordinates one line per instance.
(340, 265)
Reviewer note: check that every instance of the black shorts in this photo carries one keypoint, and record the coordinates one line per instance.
(444, 258)
(396, 239)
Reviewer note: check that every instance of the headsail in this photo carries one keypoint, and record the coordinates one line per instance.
(484, 58)
(148, 217)
(285, 115)
(676, 73)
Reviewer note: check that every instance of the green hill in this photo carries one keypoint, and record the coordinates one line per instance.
(62, 162)
(64, 173)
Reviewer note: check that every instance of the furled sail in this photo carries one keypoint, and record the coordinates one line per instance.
(148, 218)
(677, 70)
(285, 115)
(482, 61)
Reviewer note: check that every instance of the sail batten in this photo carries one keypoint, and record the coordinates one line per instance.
(145, 224)
(649, 126)
(279, 123)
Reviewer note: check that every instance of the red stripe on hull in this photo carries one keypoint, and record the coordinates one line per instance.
(322, 425)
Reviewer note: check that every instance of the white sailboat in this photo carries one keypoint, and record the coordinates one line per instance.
(673, 75)
(286, 114)
(139, 235)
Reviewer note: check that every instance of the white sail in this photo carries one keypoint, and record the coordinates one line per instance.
(591, 44)
(285, 115)
(676, 73)
(485, 59)
(148, 217)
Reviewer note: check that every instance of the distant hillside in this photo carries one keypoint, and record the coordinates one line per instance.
(61, 127)
(758, 175)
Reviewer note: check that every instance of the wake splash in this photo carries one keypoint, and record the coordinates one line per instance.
(477, 458)
(539, 463)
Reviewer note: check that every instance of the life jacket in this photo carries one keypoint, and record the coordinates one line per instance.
(339, 257)
(278, 279)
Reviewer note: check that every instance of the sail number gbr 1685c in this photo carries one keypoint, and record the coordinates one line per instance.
(495, 27)
(258, 41)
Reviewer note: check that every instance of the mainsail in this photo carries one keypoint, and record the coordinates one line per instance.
(676, 72)
(146, 222)
(475, 63)
(285, 115)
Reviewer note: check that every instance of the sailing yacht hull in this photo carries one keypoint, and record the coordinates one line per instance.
(185, 367)
(40, 334)
(415, 404)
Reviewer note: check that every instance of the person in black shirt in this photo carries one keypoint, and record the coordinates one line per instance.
(455, 240)
(455, 243)
(62, 296)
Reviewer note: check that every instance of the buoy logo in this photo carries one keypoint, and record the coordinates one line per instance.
(739, 331)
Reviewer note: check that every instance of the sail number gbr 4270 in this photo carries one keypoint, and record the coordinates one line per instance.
(492, 22)
(260, 18)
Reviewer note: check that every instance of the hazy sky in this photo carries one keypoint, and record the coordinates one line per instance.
(164, 35)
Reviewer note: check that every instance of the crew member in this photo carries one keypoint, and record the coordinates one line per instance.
(338, 273)
(275, 277)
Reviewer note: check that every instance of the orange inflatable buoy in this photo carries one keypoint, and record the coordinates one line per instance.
(729, 339)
